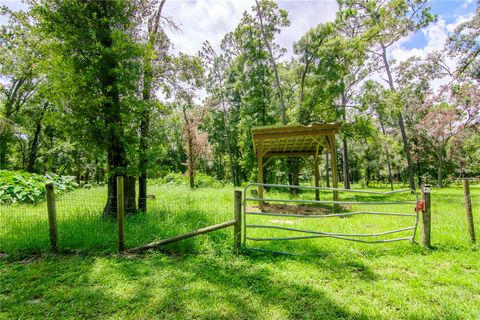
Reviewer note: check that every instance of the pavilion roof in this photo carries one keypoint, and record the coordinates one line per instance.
(294, 140)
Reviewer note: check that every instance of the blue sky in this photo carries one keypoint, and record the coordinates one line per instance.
(450, 11)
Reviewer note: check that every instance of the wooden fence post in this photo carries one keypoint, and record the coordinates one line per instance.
(52, 215)
(237, 228)
(468, 209)
(120, 213)
(426, 217)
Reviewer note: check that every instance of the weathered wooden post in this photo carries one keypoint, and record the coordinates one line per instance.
(317, 178)
(52, 215)
(120, 213)
(237, 227)
(426, 216)
(260, 174)
(468, 209)
(333, 160)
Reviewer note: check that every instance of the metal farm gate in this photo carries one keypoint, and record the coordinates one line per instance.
(278, 204)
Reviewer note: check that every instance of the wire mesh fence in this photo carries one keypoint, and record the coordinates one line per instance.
(173, 210)
(83, 225)
(23, 227)
(449, 223)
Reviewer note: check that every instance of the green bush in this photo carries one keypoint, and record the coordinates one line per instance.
(24, 187)
(205, 181)
(175, 178)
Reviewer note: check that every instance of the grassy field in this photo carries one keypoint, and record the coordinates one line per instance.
(203, 278)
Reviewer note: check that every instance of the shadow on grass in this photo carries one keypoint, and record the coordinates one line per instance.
(156, 286)
(205, 286)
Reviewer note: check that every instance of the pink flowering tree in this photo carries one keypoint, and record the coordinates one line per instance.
(444, 121)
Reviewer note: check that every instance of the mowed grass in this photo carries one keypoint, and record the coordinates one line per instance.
(203, 278)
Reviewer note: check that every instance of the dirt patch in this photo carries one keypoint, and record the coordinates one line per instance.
(288, 208)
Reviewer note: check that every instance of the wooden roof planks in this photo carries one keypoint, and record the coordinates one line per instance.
(294, 140)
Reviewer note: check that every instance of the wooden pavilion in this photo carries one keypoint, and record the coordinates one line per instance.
(296, 141)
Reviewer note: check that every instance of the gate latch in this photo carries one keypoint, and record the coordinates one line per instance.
(420, 206)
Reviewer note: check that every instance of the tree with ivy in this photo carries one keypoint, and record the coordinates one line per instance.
(95, 69)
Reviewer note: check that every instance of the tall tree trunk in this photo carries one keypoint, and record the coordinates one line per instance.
(116, 151)
(143, 163)
(144, 145)
(191, 167)
(227, 138)
(401, 122)
(302, 114)
(441, 163)
(293, 165)
(419, 173)
(153, 28)
(274, 65)
(387, 155)
(3, 151)
(32, 157)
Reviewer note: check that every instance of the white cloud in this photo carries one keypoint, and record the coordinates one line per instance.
(203, 20)
(212, 19)
(436, 35)
(467, 3)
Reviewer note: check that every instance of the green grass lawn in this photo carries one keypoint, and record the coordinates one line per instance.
(203, 278)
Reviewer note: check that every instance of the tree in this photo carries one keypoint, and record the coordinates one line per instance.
(383, 24)
(374, 98)
(157, 44)
(20, 67)
(250, 80)
(95, 73)
(332, 67)
(444, 121)
(266, 11)
(195, 141)
(217, 67)
(464, 45)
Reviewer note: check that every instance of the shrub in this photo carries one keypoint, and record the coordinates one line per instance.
(175, 178)
(23, 187)
(205, 181)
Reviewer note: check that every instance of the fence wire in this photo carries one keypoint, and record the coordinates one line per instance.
(173, 210)
(82, 223)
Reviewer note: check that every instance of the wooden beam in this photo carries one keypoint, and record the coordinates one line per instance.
(183, 236)
(297, 128)
(278, 135)
(289, 154)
